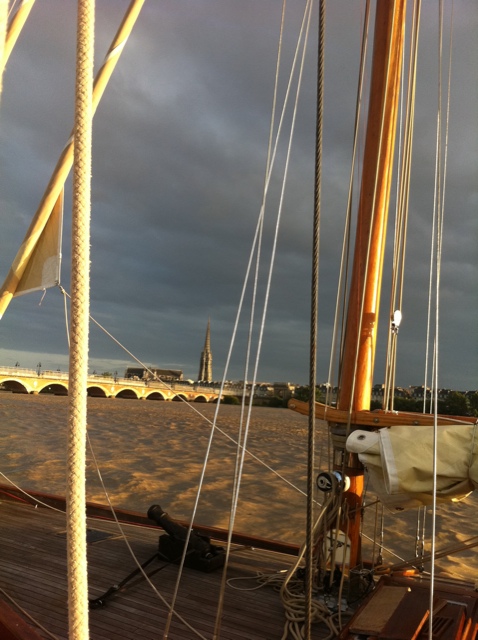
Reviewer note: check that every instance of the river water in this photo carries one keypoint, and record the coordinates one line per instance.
(153, 452)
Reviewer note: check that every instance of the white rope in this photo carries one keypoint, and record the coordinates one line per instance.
(292, 588)
(342, 279)
(27, 615)
(28, 495)
(170, 607)
(440, 207)
(78, 365)
(212, 423)
(401, 216)
(133, 555)
(257, 234)
(245, 433)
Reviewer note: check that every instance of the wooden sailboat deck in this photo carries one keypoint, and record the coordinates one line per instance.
(33, 574)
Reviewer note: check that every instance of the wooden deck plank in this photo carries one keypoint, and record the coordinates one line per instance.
(33, 572)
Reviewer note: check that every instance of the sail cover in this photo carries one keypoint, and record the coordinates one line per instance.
(400, 462)
(42, 269)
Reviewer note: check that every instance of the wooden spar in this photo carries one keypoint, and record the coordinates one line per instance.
(376, 419)
(65, 162)
(14, 28)
(356, 370)
(362, 316)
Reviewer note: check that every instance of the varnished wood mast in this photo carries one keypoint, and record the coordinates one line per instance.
(356, 367)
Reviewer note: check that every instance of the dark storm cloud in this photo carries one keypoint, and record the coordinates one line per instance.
(180, 141)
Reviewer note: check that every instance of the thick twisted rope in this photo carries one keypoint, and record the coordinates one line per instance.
(80, 286)
(313, 325)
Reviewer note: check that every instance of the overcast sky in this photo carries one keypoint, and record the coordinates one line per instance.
(180, 147)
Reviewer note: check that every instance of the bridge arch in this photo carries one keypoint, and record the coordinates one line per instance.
(96, 391)
(15, 386)
(127, 393)
(155, 395)
(55, 389)
(56, 383)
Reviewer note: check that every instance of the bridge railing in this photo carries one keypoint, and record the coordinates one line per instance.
(18, 371)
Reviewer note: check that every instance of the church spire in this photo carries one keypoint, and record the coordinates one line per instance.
(205, 367)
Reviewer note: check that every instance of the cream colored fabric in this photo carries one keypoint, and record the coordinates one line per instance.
(400, 462)
(43, 267)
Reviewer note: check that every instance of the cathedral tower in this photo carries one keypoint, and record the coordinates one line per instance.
(205, 368)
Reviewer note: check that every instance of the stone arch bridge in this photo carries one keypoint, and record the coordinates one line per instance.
(17, 380)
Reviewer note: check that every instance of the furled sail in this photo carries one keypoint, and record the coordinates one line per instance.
(400, 462)
(42, 269)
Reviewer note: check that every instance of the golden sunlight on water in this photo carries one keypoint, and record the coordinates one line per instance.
(153, 452)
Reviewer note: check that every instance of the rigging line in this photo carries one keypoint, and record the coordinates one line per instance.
(366, 270)
(344, 262)
(265, 309)
(343, 571)
(249, 266)
(25, 493)
(434, 234)
(341, 287)
(270, 164)
(25, 613)
(403, 191)
(409, 137)
(439, 241)
(214, 425)
(294, 602)
(362, 301)
(274, 100)
(264, 197)
(447, 119)
(65, 306)
(314, 321)
(466, 545)
(133, 555)
(170, 607)
(193, 408)
(12, 7)
(388, 383)
(145, 366)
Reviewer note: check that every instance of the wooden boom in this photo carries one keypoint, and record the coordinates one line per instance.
(375, 419)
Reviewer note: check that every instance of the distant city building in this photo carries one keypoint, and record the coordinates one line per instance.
(284, 390)
(168, 375)
(205, 366)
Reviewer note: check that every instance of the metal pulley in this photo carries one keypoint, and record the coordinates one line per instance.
(328, 481)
